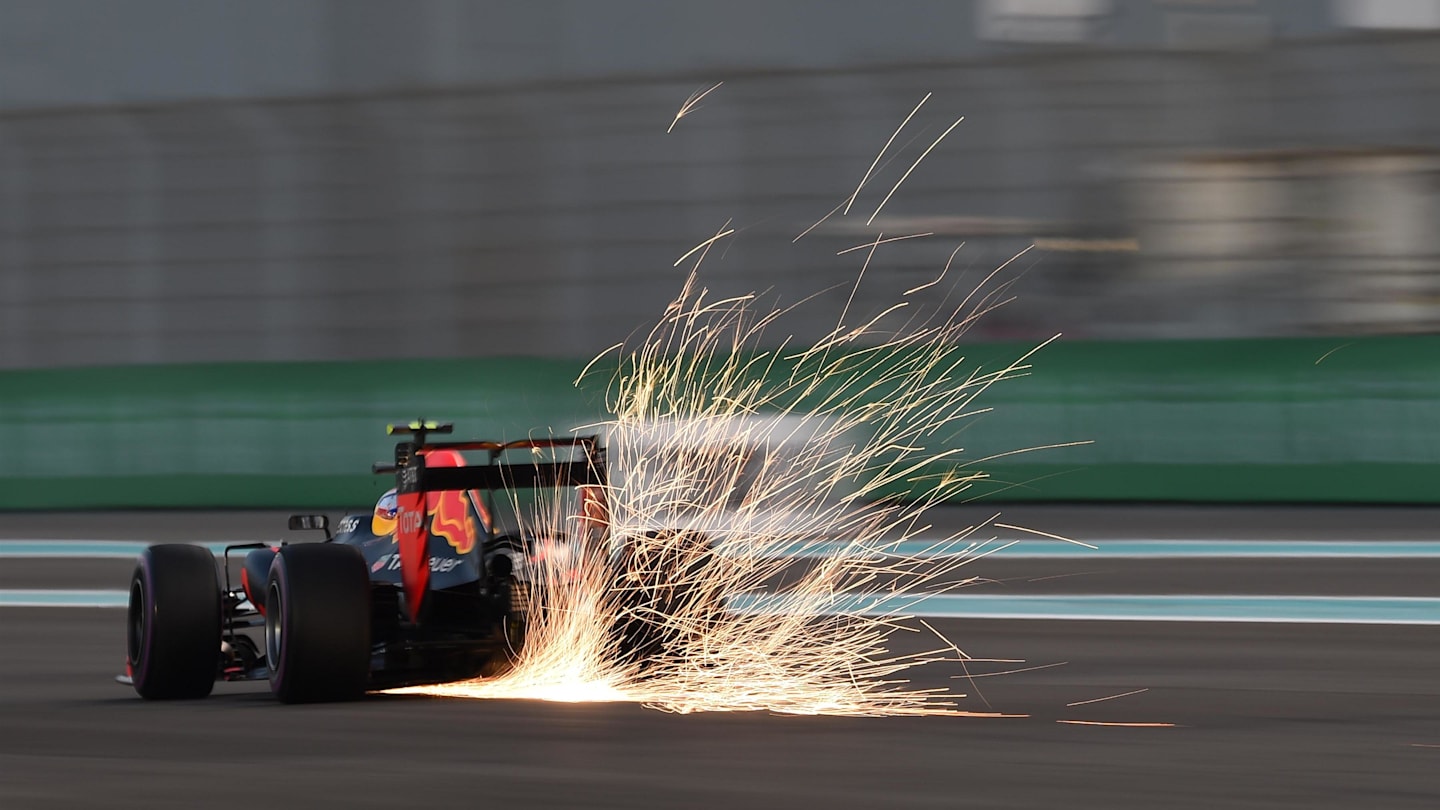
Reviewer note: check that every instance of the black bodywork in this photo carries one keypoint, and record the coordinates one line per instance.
(466, 636)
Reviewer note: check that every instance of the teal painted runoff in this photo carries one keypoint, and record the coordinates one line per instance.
(1171, 608)
(1141, 549)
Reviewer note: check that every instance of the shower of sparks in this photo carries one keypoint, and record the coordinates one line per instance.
(689, 105)
(727, 462)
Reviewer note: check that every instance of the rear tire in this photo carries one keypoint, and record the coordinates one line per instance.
(317, 623)
(656, 579)
(510, 630)
(173, 623)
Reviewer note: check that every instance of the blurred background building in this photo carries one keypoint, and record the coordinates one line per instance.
(203, 180)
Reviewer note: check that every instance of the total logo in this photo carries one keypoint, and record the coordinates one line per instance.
(410, 520)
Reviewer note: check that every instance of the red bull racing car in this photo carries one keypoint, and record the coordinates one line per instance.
(427, 589)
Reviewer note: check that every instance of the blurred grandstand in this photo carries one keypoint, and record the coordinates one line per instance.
(205, 181)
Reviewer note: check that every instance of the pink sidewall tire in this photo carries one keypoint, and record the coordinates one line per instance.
(173, 623)
(317, 623)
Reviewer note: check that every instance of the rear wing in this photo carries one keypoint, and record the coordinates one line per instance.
(418, 514)
(412, 474)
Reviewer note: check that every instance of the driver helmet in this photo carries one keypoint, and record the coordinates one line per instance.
(383, 522)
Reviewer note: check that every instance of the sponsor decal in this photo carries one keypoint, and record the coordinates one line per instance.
(438, 565)
(441, 565)
(414, 572)
(348, 525)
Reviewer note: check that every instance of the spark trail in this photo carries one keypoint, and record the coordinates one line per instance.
(678, 587)
(725, 461)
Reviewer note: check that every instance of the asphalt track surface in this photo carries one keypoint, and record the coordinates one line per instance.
(1266, 715)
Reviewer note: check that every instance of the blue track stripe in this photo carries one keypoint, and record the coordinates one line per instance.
(1148, 549)
(1175, 608)
(58, 598)
(1161, 608)
(88, 549)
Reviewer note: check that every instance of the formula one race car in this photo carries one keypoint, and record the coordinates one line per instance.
(428, 589)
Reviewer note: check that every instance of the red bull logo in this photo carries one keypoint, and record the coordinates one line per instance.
(448, 511)
(450, 519)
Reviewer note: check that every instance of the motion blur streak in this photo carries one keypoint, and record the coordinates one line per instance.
(694, 416)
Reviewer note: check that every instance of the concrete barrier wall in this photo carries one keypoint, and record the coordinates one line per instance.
(248, 228)
(1302, 420)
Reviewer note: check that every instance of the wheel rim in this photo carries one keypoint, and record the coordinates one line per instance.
(135, 635)
(274, 626)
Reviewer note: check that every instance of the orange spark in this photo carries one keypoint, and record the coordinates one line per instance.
(883, 149)
(689, 105)
(917, 162)
(1111, 697)
(1010, 671)
(724, 231)
(1116, 725)
(878, 242)
(707, 439)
